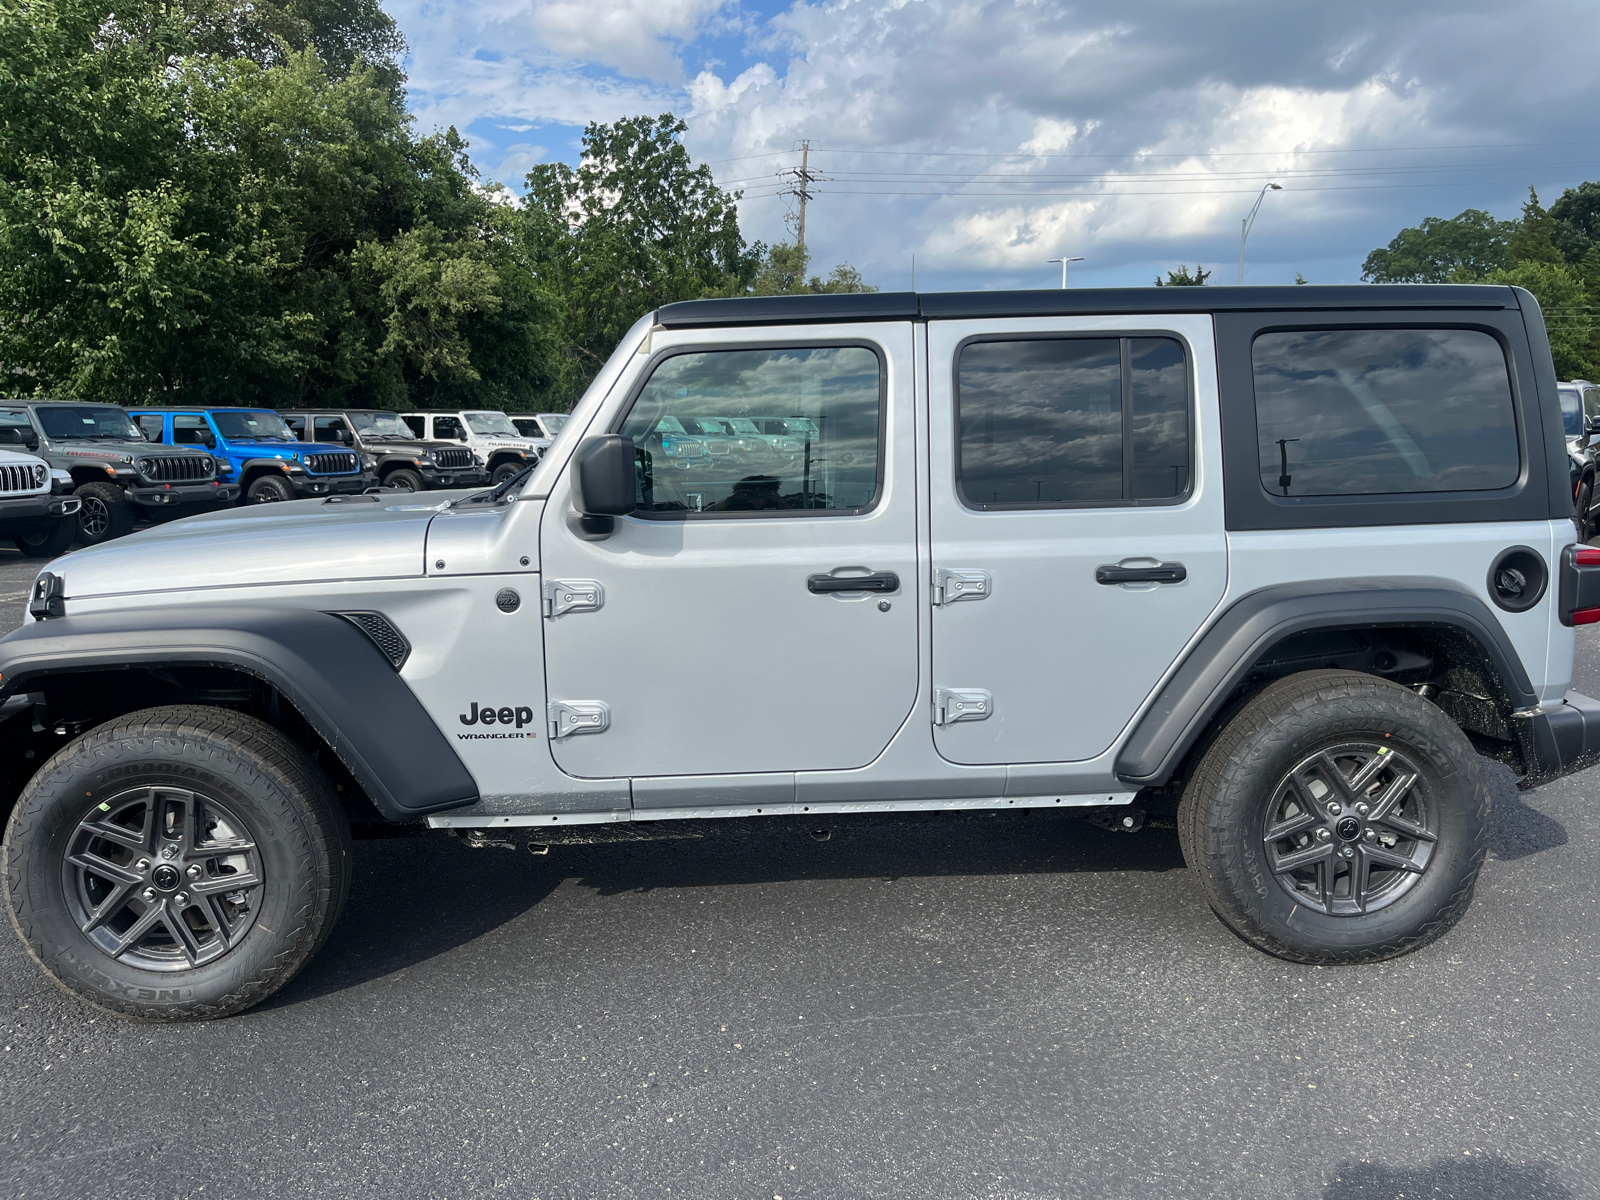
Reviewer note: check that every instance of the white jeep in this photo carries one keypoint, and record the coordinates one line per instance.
(1283, 566)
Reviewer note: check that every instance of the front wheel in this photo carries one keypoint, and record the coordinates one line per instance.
(177, 863)
(1337, 818)
(405, 479)
(505, 471)
(269, 489)
(52, 543)
(105, 513)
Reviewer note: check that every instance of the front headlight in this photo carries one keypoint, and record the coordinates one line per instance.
(145, 466)
(40, 474)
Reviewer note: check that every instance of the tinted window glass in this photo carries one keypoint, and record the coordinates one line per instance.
(298, 426)
(327, 429)
(448, 429)
(1571, 411)
(252, 425)
(813, 445)
(150, 424)
(96, 422)
(1072, 421)
(1368, 411)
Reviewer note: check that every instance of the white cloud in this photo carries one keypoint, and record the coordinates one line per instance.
(632, 36)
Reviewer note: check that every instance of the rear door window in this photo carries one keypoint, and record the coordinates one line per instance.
(328, 429)
(150, 425)
(1349, 412)
(190, 429)
(448, 429)
(1047, 422)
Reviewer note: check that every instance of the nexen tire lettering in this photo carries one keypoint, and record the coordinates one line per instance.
(489, 715)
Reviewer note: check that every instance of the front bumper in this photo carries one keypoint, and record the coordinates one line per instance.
(167, 495)
(453, 477)
(1559, 739)
(307, 486)
(29, 514)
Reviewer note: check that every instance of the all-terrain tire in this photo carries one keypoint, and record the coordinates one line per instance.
(243, 784)
(1241, 792)
(106, 513)
(52, 543)
(505, 471)
(405, 479)
(268, 489)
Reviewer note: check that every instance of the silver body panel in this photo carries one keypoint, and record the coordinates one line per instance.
(731, 690)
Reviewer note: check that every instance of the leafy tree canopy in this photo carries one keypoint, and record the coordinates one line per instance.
(1577, 221)
(781, 271)
(1565, 302)
(1182, 278)
(1442, 250)
(1532, 239)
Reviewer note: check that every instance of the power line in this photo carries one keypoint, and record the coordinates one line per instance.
(1128, 176)
(801, 178)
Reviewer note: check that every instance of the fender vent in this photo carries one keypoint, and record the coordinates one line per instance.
(383, 634)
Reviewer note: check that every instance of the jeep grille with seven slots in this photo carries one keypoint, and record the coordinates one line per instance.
(175, 468)
(453, 458)
(340, 462)
(22, 478)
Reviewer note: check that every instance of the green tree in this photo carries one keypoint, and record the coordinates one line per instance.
(183, 224)
(1182, 278)
(1532, 240)
(1577, 221)
(635, 225)
(1458, 249)
(781, 271)
(1561, 295)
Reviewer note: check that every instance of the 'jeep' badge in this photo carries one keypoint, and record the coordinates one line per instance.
(489, 715)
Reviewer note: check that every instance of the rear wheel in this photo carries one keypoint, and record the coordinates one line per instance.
(269, 489)
(1581, 505)
(176, 863)
(405, 479)
(52, 543)
(1337, 818)
(105, 514)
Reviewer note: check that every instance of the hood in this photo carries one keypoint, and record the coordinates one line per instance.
(16, 460)
(300, 541)
(412, 448)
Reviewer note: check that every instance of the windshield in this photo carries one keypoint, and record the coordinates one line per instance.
(554, 421)
(742, 425)
(255, 425)
(491, 422)
(100, 422)
(1571, 411)
(381, 425)
(669, 425)
(803, 427)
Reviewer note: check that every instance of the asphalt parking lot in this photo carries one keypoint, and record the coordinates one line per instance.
(1001, 1008)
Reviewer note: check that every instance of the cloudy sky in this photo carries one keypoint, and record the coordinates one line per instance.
(986, 136)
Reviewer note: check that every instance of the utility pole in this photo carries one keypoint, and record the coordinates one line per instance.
(801, 178)
(1064, 262)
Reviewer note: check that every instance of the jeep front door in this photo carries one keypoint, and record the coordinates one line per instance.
(718, 625)
(1076, 525)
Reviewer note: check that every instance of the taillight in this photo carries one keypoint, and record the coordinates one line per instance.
(1586, 616)
(1586, 556)
(1579, 602)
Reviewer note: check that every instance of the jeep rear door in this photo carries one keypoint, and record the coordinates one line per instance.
(1076, 521)
(730, 640)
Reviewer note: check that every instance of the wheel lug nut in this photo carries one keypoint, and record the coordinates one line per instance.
(1335, 809)
(1323, 835)
(1347, 852)
(144, 864)
(149, 894)
(194, 871)
(1370, 834)
(183, 897)
(1362, 809)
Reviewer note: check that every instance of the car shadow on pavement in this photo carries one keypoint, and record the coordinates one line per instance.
(1480, 1177)
(1516, 829)
(412, 899)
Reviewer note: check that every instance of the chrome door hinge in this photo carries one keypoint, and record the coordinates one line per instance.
(951, 585)
(961, 704)
(567, 718)
(572, 595)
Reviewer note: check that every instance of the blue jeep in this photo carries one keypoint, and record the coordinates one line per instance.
(255, 449)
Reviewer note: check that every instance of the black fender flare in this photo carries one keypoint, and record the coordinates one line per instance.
(252, 468)
(326, 667)
(1224, 655)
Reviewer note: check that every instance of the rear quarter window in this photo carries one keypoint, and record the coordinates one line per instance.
(1350, 412)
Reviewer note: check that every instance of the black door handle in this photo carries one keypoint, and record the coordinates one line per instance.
(1165, 573)
(878, 581)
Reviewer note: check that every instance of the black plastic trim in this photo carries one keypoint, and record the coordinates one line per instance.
(332, 673)
(1224, 656)
(1560, 740)
(1059, 302)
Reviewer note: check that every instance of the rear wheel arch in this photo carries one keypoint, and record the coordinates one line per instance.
(1435, 638)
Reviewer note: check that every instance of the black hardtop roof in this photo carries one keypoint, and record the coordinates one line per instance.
(183, 408)
(1063, 302)
(335, 409)
(446, 412)
(63, 404)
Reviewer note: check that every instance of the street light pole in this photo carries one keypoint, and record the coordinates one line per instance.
(1244, 225)
(1064, 262)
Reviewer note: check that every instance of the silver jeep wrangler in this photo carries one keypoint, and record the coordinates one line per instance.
(1283, 565)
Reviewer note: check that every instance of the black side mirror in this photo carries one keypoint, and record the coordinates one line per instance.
(10, 437)
(346, 438)
(605, 484)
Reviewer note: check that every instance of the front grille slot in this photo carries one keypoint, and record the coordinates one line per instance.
(384, 635)
(453, 458)
(336, 463)
(175, 468)
(15, 479)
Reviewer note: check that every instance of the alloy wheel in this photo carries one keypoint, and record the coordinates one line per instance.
(94, 516)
